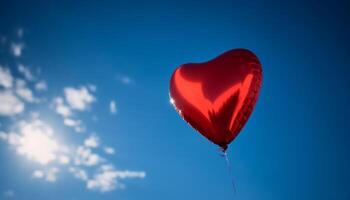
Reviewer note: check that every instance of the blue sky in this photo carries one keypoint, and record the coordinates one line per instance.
(88, 54)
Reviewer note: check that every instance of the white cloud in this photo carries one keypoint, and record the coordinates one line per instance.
(38, 174)
(75, 99)
(61, 108)
(41, 86)
(91, 141)
(84, 156)
(11, 138)
(78, 99)
(79, 129)
(9, 104)
(10, 98)
(23, 91)
(109, 150)
(49, 175)
(104, 181)
(64, 159)
(107, 178)
(92, 87)
(17, 49)
(79, 173)
(5, 77)
(66, 111)
(77, 124)
(113, 107)
(35, 139)
(71, 122)
(26, 72)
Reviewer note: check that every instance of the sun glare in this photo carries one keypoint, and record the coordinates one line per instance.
(37, 145)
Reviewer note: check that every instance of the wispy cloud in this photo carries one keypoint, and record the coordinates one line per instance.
(124, 79)
(49, 175)
(24, 92)
(35, 139)
(26, 72)
(6, 78)
(63, 159)
(75, 100)
(61, 108)
(109, 150)
(113, 107)
(9, 104)
(91, 142)
(66, 112)
(92, 87)
(78, 98)
(17, 49)
(71, 122)
(14, 93)
(85, 156)
(38, 174)
(107, 178)
(79, 173)
(41, 86)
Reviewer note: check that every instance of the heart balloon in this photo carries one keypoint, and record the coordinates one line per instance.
(217, 97)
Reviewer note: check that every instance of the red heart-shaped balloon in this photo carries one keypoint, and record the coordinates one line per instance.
(217, 97)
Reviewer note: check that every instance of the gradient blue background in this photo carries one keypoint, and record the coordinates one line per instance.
(296, 143)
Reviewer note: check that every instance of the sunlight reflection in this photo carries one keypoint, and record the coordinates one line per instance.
(36, 142)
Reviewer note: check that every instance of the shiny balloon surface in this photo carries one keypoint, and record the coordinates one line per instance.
(217, 97)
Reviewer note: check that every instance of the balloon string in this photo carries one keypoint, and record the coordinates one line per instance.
(224, 153)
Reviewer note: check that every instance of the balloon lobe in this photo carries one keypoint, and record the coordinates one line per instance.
(217, 97)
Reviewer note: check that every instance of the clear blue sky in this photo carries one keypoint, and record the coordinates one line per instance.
(295, 145)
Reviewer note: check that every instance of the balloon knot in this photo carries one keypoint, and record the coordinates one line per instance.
(223, 148)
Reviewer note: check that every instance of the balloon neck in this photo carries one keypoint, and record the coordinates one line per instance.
(223, 148)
